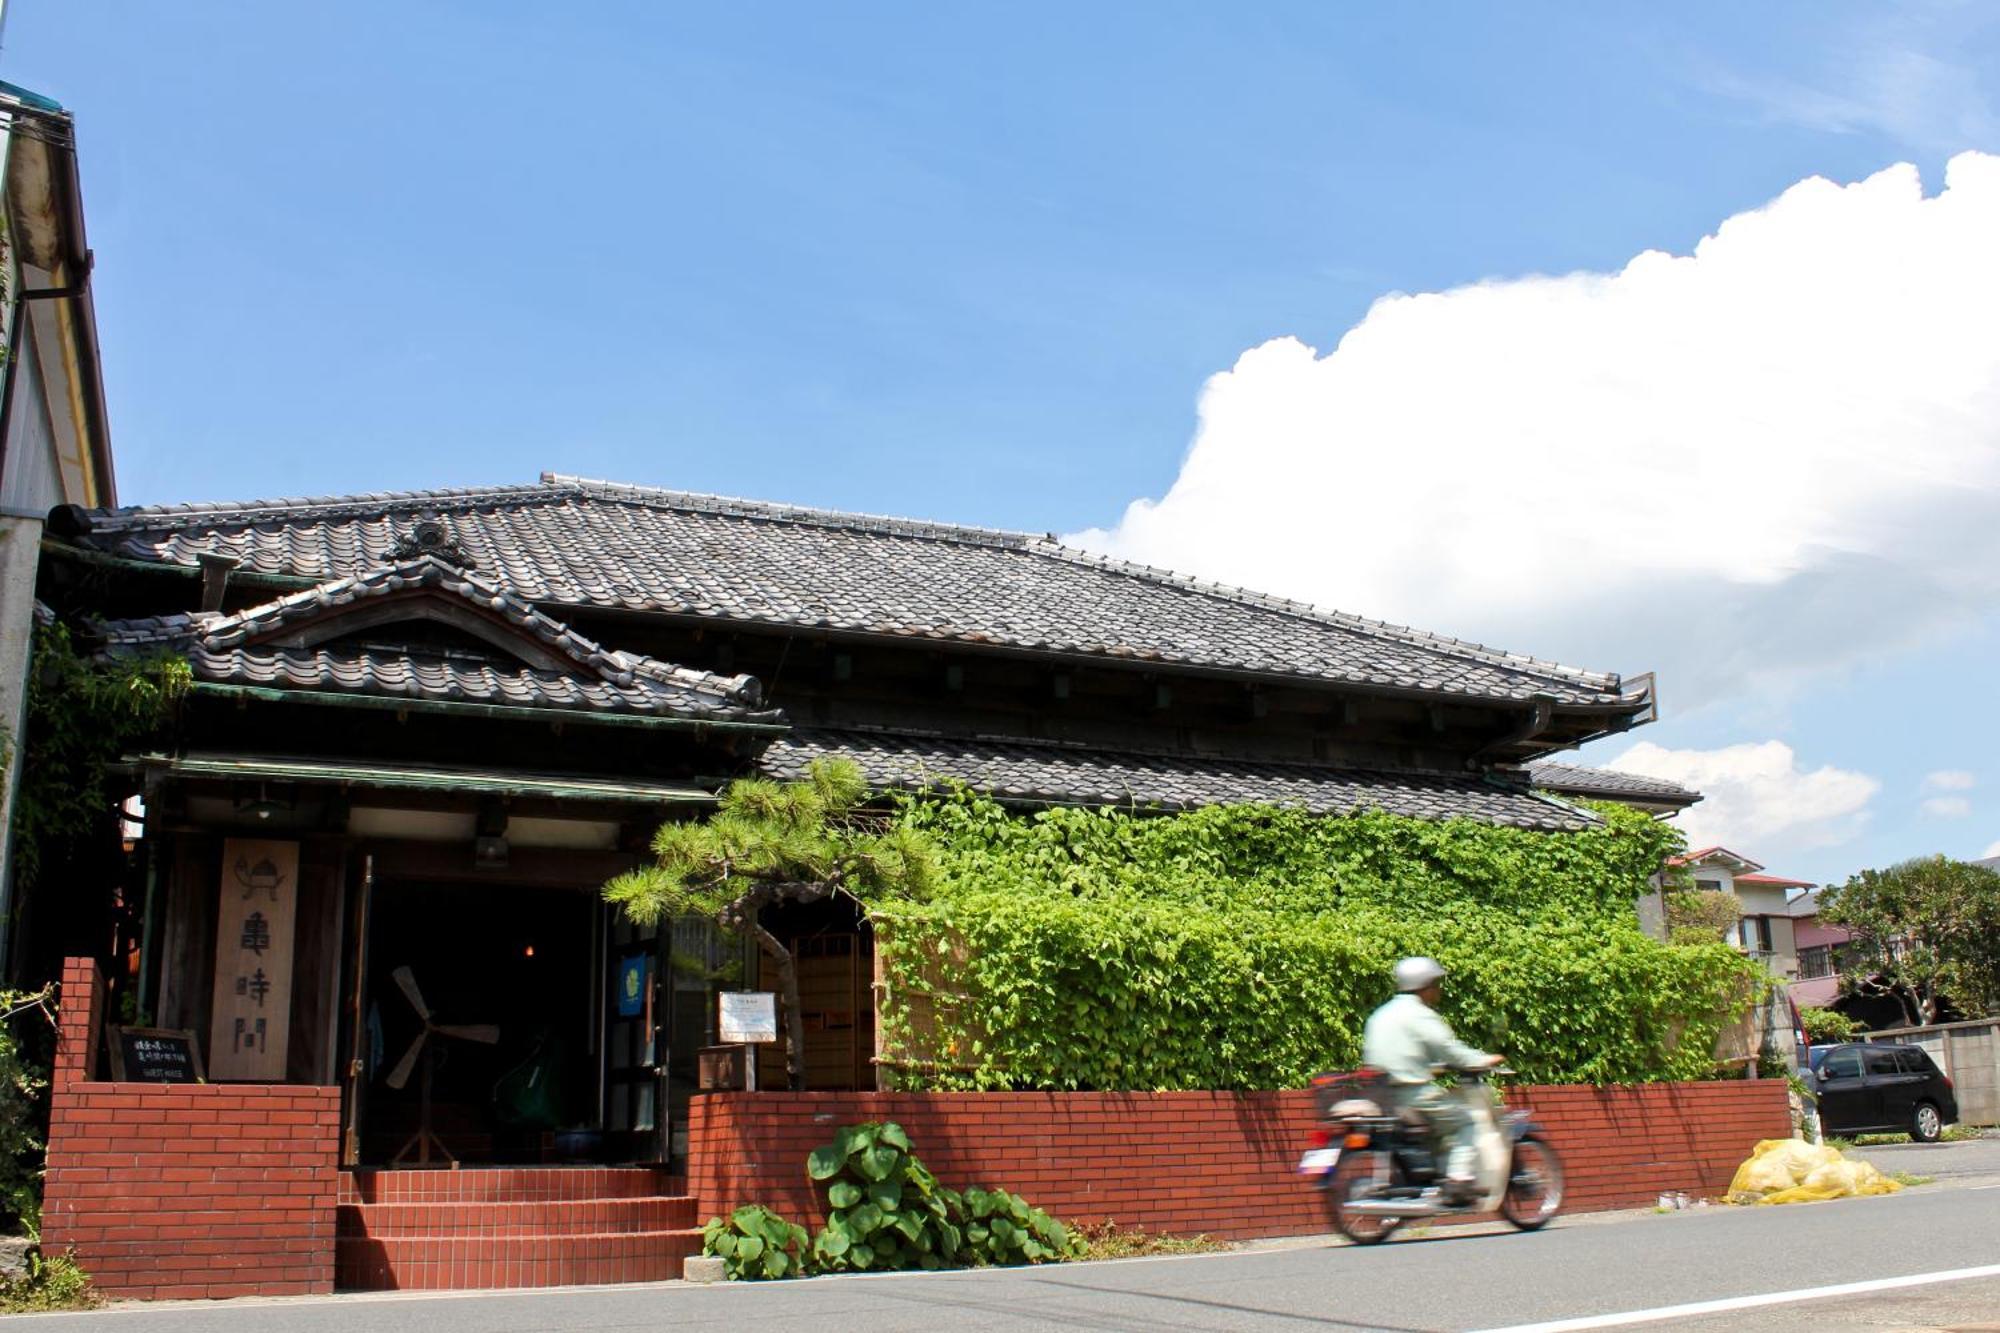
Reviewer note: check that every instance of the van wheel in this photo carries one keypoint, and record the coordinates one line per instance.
(1926, 1125)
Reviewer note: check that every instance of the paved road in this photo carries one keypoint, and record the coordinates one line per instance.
(1445, 1281)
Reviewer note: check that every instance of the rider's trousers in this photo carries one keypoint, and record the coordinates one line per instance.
(1450, 1124)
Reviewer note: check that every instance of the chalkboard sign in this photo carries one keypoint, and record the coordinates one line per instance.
(154, 1055)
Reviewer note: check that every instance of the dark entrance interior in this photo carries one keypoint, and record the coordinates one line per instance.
(510, 963)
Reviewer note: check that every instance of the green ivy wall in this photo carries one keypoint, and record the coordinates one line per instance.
(1243, 947)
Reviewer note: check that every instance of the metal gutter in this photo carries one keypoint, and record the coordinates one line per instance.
(394, 777)
(506, 712)
(46, 125)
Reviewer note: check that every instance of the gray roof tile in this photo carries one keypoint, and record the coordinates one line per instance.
(223, 649)
(387, 674)
(575, 542)
(1608, 783)
(1043, 772)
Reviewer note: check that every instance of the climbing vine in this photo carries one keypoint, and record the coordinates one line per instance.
(27, 1033)
(1243, 947)
(83, 713)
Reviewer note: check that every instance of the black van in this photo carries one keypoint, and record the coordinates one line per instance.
(1870, 1089)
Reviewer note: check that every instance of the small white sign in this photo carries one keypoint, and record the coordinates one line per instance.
(748, 1015)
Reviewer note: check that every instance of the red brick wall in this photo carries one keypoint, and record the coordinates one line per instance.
(1201, 1162)
(186, 1190)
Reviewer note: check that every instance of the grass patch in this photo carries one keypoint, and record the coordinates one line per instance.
(48, 1284)
(1905, 1179)
(1952, 1134)
(1108, 1240)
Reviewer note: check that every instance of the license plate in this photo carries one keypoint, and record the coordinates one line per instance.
(1319, 1161)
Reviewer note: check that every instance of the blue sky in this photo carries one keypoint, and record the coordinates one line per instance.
(979, 267)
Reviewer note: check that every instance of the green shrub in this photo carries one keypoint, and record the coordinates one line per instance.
(885, 1208)
(24, 1108)
(1243, 947)
(1826, 1027)
(50, 1283)
(756, 1243)
(1001, 1228)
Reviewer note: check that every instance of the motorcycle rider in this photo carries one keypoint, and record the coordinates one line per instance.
(1407, 1040)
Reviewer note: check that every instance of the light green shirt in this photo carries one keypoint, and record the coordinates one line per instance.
(1406, 1040)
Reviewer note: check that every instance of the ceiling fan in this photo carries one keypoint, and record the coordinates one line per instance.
(487, 1034)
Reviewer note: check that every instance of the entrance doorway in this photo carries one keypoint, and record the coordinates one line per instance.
(483, 1000)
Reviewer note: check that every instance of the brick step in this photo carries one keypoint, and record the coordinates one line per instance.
(563, 1217)
(456, 1263)
(531, 1184)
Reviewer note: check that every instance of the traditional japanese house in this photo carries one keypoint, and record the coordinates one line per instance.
(425, 728)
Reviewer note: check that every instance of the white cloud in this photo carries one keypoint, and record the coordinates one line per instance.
(1758, 801)
(1723, 464)
(1949, 779)
(1948, 807)
(1990, 852)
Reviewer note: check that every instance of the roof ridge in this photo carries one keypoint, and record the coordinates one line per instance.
(383, 502)
(1405, 634)
(781, 512)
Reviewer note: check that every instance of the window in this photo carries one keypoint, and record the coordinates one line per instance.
(1709, 885)
(1913, 1060)
(1815, 960)
(1843, 1064)
(1754, 933)
(1882, 1060)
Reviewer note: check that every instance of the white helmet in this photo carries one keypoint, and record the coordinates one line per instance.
(1413, 974)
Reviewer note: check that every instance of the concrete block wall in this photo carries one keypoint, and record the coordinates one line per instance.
(186, 1190)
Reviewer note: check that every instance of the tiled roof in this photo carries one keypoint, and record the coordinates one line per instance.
(573, 542)
(445, 680)
(226, 649)
(1041, 772)
(1608, 783)
(1738, 863)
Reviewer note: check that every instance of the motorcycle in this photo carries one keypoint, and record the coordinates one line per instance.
(1378, 1171)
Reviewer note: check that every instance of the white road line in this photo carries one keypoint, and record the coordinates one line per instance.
(1750, 1302)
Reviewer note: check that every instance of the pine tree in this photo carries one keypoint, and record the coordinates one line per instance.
(772, 843)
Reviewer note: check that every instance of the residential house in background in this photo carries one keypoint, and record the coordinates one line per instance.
(55, 448)
(1765, 931)
(1825, 954)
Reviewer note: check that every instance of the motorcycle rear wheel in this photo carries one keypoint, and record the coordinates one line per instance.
(1354, 1180)
(1534, 1185)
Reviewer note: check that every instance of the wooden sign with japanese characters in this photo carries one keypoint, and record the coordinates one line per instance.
(251, 1032)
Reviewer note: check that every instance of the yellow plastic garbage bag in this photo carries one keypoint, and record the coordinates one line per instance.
(1779, 1164)
(1794, 1171)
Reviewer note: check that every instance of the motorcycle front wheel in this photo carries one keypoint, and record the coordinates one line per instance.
(1534, 1185)
(1353, 1181)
